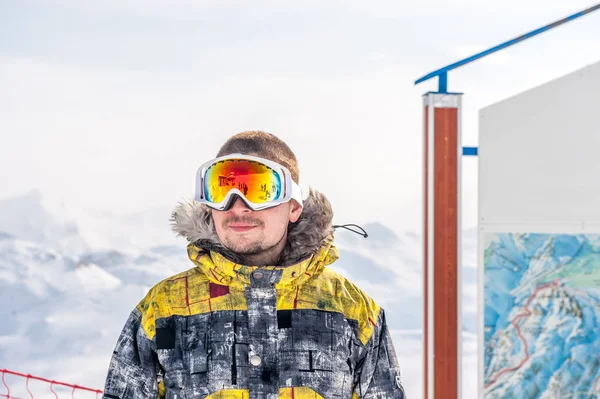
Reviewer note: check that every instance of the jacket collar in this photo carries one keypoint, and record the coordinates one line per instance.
(223, 271)
(309, 246)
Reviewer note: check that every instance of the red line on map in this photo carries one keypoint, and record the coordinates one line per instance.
(526, 313)
(596, 381)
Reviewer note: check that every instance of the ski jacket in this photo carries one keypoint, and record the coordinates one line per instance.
(230, 331)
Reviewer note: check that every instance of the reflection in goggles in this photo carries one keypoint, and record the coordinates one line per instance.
(258, 182)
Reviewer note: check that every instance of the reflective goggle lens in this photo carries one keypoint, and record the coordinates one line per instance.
(258, 182)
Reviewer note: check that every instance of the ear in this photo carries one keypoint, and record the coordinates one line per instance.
(295, 211)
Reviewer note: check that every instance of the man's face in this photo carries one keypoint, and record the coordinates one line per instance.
(248, 232)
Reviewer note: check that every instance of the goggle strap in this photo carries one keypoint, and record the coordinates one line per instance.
(297, 193)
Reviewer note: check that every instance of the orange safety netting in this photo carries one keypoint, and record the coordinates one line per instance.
(45, 387)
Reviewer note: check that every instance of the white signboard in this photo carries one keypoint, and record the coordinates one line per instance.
(539, 242)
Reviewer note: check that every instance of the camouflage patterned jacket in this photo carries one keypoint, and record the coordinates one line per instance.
(224, 330)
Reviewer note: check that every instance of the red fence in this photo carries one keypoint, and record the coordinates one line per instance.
(19, 384)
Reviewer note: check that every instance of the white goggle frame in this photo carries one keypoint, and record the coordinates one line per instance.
(290, 190)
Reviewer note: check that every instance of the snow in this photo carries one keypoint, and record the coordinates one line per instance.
(94, 279)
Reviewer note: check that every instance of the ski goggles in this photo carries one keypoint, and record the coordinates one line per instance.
(260, 183)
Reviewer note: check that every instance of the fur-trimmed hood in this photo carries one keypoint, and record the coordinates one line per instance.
(312, 231)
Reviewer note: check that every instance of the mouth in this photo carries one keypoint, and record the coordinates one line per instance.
(241, 228)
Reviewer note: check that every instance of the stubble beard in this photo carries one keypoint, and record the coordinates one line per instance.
(253, 251)
(252, 248)
(256, 252)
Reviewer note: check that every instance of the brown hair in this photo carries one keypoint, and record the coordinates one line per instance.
(265, 145)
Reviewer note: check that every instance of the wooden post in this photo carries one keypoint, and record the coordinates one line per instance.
(441, 274)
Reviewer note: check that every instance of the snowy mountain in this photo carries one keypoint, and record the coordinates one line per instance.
(73, 231)
(29, 218)
(61, 315)
(69, 286)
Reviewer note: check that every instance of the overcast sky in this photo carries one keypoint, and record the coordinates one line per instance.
(113, 104)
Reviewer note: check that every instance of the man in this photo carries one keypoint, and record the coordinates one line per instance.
(260, 315)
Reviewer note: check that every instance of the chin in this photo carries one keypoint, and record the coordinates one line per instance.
(244, 247)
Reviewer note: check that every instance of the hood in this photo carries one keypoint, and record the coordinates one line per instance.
(312, 232)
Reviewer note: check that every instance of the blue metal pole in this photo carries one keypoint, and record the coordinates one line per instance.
(443, 82)
(442, 72)
(470, 151)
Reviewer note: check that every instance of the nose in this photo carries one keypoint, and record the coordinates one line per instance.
(240, 207)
